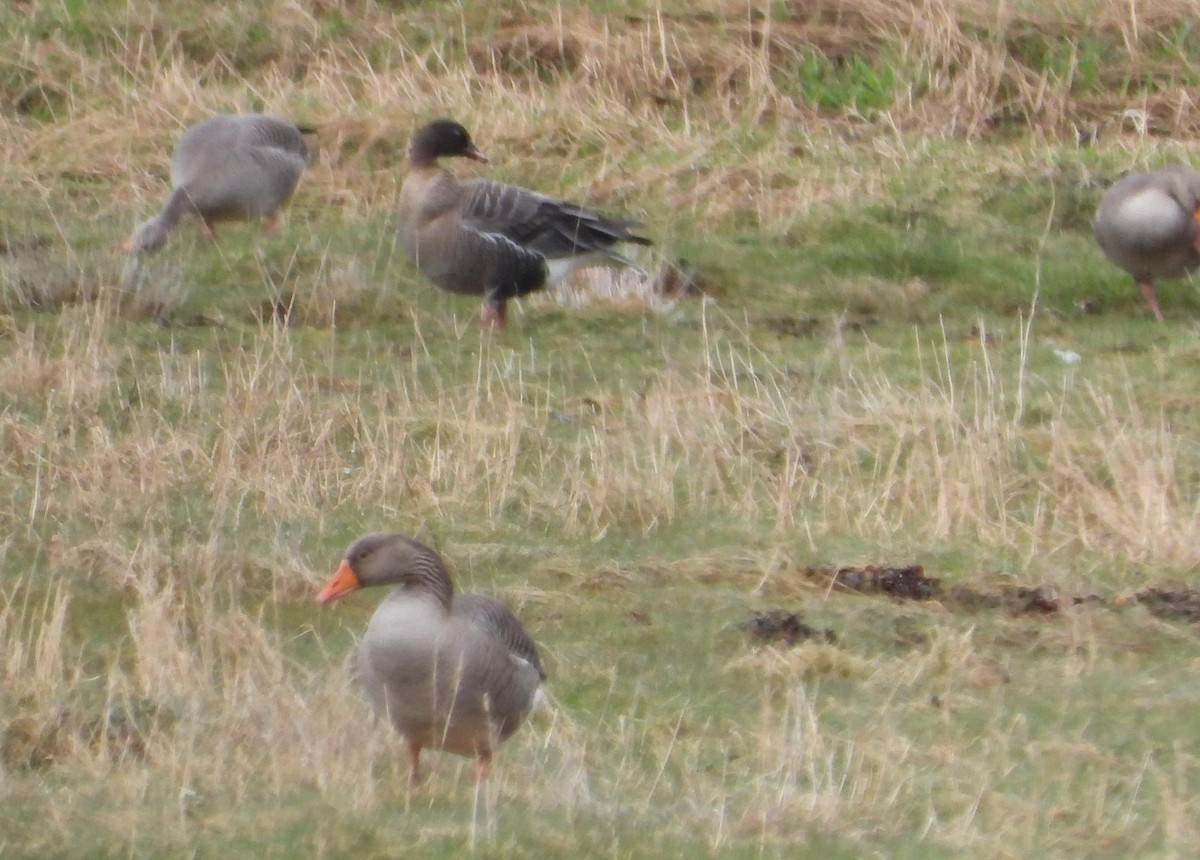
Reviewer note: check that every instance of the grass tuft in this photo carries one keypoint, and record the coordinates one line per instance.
(874, 334)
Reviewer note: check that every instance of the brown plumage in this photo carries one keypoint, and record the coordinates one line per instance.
(229, 167)
(1147, 224)
(451, 672)
(479, 237)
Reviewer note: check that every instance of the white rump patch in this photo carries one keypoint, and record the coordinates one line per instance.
(609, 285)
(1150, 212)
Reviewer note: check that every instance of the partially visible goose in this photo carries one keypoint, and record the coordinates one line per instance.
(1148, 225)
(229, 167)
(452, 672)
(480, 237)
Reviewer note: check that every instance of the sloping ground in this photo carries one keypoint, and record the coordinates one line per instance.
(900, 344)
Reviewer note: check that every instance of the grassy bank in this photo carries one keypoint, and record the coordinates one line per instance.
(907, 350)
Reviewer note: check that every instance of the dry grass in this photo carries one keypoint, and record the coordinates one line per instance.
(543, 86)
(188, 442)
(204, 701)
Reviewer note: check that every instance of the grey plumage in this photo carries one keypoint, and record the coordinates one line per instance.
(479, 237)
(229, 167)
(491, 613)
(1147, 225)
(452, 672)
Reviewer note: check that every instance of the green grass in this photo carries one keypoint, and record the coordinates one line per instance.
(878, 375)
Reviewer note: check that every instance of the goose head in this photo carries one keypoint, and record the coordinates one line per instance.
(389, 559)
(442, 138)
(149, 236)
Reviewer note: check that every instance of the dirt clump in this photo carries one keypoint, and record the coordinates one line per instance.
(907, 582)
(1169, 604)
(775, 625)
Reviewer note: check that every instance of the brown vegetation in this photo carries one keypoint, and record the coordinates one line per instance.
(186, 445)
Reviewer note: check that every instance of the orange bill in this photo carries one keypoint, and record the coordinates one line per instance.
(1196, 215)
(343, 582)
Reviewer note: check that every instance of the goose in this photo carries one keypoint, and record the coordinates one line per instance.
(452, 672)
(229, 167)
(476, 236)
(1148, 225)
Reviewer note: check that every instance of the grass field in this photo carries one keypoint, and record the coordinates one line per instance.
(907, 351)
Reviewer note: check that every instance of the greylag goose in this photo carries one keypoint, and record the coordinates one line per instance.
(229, 167)
(479, 237)
(454, 672)
(1147, 224)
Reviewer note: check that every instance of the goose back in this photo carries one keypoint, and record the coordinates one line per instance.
(239, 167)
(553, 228)
(228, 167)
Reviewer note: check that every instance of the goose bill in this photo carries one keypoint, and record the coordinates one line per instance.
(343, 582)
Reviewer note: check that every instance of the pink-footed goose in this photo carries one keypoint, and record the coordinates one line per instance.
(1148, 225)
(479, 237)
(454, 672)
(229, 167)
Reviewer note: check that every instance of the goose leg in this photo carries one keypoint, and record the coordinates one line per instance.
(494, 314)
(414, 763)
(1152, 297)
(208, 230)
(272, 225)
(483, 765)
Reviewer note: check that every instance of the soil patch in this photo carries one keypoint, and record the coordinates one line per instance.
(909, 582)
(1180, 604)
(779, 625)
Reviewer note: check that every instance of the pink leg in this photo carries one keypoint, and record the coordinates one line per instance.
(272, 226)
(208, 229)
(414, 764)
(1152, 297)
(483, 765)
(494, 315)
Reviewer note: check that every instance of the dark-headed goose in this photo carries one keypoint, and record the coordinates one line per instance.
(229, 167)
(1147, 224)
(484, 238)
(455, 672)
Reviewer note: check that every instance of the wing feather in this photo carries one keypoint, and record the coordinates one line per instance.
(499, 620)
(553, 228)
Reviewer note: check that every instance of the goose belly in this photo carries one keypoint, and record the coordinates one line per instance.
(440, 683)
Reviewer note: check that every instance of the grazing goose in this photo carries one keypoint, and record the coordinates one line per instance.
(229, 167)
(1148, 225)
(480, 237)
(452, 672)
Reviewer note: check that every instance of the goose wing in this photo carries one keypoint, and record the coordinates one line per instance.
(498, 620)
(550, 227)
